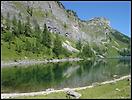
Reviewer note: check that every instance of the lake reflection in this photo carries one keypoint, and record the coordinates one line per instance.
(61, 75)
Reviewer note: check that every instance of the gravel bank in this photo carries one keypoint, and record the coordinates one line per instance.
(30, 62)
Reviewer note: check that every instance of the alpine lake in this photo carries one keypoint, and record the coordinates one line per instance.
(39, 77)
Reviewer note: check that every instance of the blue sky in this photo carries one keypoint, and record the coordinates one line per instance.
(118, 12)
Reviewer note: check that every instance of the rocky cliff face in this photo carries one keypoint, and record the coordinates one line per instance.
(58, 19)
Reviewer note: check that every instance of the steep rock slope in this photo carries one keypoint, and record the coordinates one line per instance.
(66, 22)
(58, 19)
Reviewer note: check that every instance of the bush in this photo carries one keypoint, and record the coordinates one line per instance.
(19, 45)
(66, 52)
(7, 36)
(86, 51)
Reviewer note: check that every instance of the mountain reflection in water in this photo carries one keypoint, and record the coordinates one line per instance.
(61, 75)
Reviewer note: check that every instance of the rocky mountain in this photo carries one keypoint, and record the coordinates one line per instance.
(58, 19)
(66, 22)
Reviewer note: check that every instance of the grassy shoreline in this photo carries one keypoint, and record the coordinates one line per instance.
(119, 89)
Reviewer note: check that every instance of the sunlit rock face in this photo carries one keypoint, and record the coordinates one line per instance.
(58, 19)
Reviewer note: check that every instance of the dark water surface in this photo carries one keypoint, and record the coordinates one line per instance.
(61, 75)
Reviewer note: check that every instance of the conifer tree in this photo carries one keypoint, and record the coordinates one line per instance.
(14, 26)
(86, 51)
(37, 30)
(27, 27)
(20, 27)
(8, 21)
(79, 45)
(46, 37)
(57, 49)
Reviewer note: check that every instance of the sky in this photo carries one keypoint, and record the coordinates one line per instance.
(118, 12)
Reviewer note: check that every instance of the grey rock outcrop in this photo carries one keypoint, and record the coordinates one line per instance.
(59, 20)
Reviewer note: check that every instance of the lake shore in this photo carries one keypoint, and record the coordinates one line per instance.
(13, 95)
(31, 62)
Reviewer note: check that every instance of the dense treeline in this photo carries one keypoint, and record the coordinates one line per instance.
(33, 39)
(28, 38)
(120, 36)
(124, 52)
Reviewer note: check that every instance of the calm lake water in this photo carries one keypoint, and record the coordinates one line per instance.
(61, 75)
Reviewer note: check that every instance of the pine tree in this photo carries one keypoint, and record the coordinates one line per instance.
(14, 26)
(14, 21)
(79, 45)
(8, 21)
(20, 15)
(27, 27)
(46, 37)
(20, 27)
(8, 37)
(86, 51)
(37, 30)
(57, 46)
(20, 24)
(29, 10)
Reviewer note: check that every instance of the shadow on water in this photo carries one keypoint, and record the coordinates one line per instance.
(61, 75)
